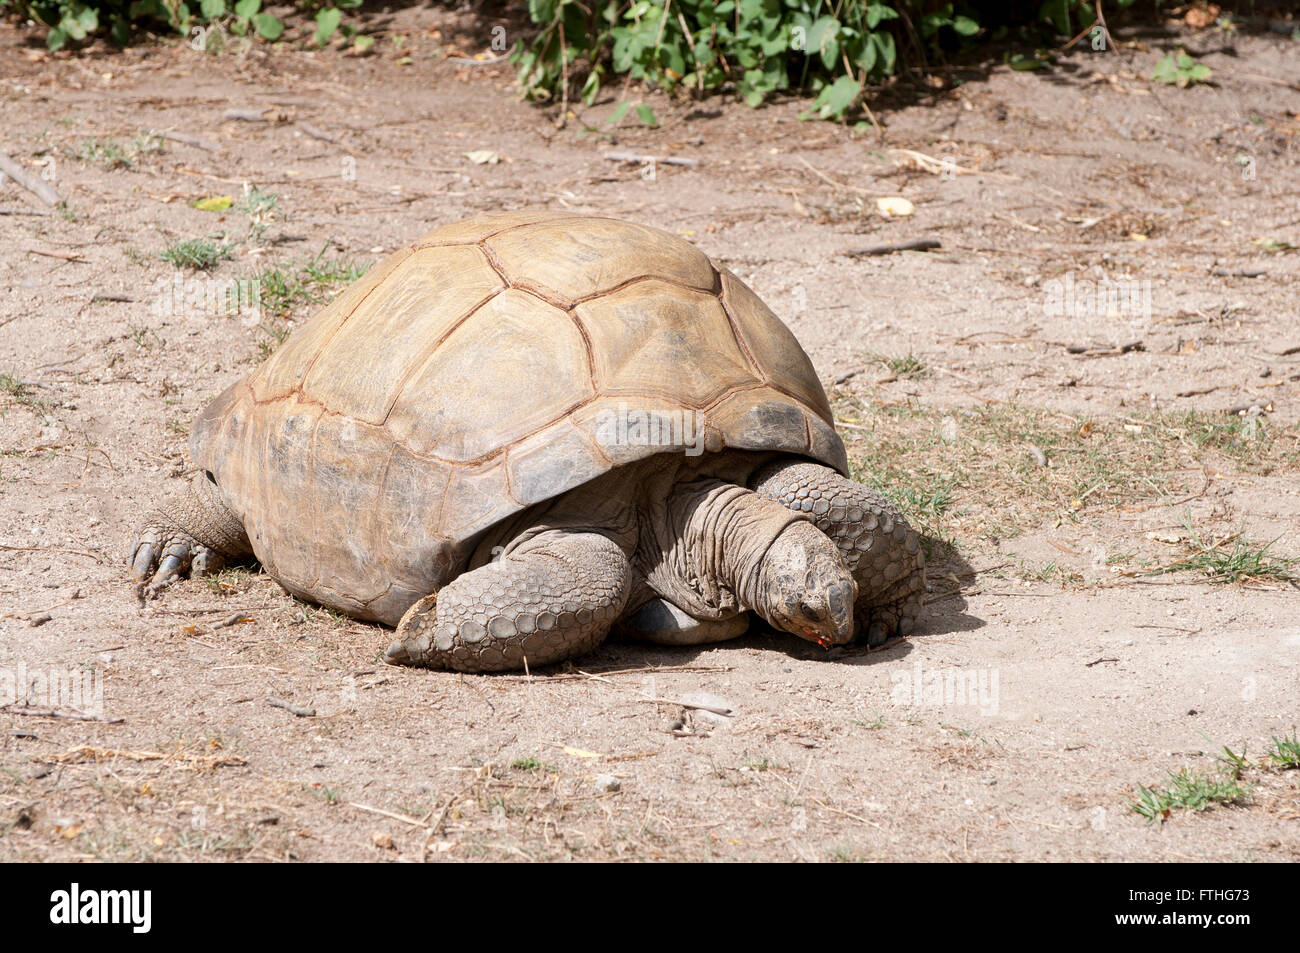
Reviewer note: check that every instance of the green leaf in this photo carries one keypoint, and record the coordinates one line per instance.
(835, 100)
(211, 9)
(57, 38)
(121, 30)
(88, 19)
(591, 87)
(866, 59)
(1022, 62)
(327, 21)
(888, 53)
(246, 8)
(877, 12)
(821, 40)
(965, 26)
(646, 115)
(268, 27)
(1056, 12)
(619, 112)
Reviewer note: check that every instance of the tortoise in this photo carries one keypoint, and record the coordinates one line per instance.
(528, 430)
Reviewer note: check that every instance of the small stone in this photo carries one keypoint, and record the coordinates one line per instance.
(607, 782)
(39, 619)
(381, 840)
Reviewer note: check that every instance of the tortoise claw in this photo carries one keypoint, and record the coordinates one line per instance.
(164, 555)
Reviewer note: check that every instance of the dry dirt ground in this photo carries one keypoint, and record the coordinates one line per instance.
(1108, 541)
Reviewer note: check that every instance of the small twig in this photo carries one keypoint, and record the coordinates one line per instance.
(90, 752)
(646, 159)
(829, 181)
(467, 61)
(25, 211)
(318, 134)
(709, 708)
(290, 708)
(246, 115)
(32, 183)
(98, 557)
(917, 244)
(397, 817)
(60, 713)
(1238, 273)
(652, 669)
(233, 619)
(1099, 661)
(65, 255)
(187, 139)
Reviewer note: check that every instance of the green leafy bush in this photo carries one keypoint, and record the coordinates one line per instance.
(76, 20)
(829, 48)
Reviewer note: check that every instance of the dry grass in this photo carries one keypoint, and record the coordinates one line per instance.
(1000, 470)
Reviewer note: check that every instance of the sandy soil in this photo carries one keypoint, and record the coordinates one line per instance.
(1089, 679)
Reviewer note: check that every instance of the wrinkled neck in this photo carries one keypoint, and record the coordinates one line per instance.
(708, 541)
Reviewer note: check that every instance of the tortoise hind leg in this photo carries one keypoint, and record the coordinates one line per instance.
(196, 533)
(555, 597)
(879, 547)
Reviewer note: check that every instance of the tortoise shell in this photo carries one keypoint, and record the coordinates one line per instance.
(477, 372)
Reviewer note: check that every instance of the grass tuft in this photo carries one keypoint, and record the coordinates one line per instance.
(1186, 791)
(200, 254)
(1285, 752)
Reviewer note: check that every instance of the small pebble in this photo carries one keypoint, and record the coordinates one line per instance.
(40, 619)
(607, 782)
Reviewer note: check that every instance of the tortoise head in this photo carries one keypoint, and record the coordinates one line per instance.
(805, 589)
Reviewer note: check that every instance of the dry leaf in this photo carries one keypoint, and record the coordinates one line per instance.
(894, 206)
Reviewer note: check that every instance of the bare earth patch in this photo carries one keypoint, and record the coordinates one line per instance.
(1109, 484)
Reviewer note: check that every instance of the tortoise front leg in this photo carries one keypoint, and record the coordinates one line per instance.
(553, 598)
(879, 547)
(194, 533)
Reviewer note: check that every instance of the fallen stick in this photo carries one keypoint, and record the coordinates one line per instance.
(60, 713)
(382, 813)
(1239, 273)
(292, 709)
(728, 712)
(318, 134)
(246, 115)
(916, 244)
(1102, 350)
(65, 255)
(187, 139)
(646, 159)
(34, 184)
(469, 61)
(90, 752)
(25, 211)
(230, 620)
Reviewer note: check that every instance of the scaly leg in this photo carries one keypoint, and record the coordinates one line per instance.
(555, 597)
(879, 547)
(196, 533)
